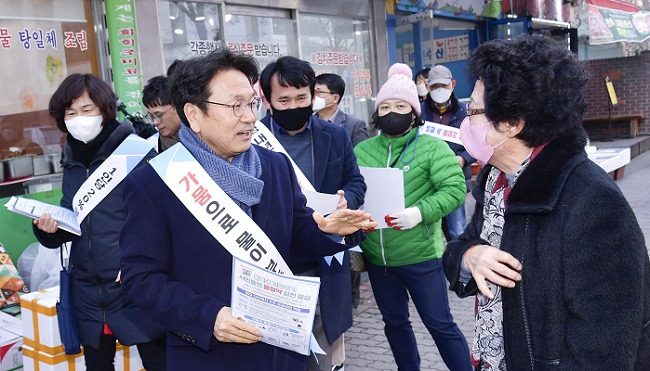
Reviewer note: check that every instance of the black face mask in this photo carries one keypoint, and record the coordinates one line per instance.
(394, 123)
(292, 119)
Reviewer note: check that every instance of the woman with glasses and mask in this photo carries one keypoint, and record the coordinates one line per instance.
(84, 108)
(405, 259)
(553, 254)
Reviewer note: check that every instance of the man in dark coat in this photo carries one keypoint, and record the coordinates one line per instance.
(173, 268)
(323, 152)
(330, 87)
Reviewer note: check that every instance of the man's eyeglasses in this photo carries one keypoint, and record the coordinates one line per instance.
(475, 111)
(152, 118)
(323, 93)
(239, 107)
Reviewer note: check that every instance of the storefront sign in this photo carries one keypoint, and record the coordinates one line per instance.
(203, 47)
(408, 54)
(257, 49)
(125, 57)
(449, 49)
(33, 57)
(36, 37)
(609, 25)
(335, 59)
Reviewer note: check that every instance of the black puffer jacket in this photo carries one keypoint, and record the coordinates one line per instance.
(584, 300)
(95, 256)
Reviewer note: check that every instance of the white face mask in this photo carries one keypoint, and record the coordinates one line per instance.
(319, 104)
(84, 128)
(422, 90)
(440, 95)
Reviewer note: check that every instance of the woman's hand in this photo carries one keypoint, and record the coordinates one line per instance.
(229, 329)
(343, 221)
(46, 224)
(487, 262)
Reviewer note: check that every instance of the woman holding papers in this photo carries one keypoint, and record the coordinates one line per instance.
(209, 198)
(84, 107)
(553, 254)
(406, 256)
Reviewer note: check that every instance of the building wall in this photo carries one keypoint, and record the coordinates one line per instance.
(631, 79)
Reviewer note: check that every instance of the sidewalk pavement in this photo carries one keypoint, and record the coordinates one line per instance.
(365, 343)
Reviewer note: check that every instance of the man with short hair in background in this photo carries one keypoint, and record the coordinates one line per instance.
(330, 87)
(157, 99)
(323, 152)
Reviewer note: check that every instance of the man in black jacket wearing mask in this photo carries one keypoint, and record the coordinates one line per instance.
(323, 152)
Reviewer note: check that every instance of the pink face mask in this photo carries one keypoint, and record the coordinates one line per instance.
(474, 138)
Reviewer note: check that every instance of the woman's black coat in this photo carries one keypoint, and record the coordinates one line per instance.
(584, 300)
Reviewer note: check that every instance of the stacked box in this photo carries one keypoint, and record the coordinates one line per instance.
(34, 360)
(126, 359)
(40, 324)
(43, 350)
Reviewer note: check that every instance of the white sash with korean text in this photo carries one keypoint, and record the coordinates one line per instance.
(263, 137)
(109, 174)
(217, 212)
(444, 132)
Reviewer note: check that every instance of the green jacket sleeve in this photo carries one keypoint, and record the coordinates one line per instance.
(448, 182)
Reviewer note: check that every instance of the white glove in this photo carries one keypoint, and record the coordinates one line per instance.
(405, 219)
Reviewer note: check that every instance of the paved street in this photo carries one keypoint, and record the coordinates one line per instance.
(366, 345)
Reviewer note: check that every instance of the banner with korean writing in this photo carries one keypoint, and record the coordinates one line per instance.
(609, 26)
(448, 49)
(125, 57)
(35, 57)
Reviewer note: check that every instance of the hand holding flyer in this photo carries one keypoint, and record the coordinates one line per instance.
(281, 306)
(66, 218)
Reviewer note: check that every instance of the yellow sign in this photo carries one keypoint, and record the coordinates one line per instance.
(611, 92)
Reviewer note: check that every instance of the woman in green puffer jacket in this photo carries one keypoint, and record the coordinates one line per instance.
(406, 256)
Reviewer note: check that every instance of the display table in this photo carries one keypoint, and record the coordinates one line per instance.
(612, 160)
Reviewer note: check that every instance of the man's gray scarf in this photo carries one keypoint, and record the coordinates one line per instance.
(239, 178)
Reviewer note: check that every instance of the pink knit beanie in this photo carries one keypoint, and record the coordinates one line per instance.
(400, 85)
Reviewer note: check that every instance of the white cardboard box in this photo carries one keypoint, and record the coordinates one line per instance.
(40, 324)
(42, 342)
(126, 359)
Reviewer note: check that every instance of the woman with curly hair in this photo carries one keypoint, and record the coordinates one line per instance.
(553, 253)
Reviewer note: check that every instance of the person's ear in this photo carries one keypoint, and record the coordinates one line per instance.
(266, 104)
(514, 129)
(193, 114)
(453, 84)
(337, 99)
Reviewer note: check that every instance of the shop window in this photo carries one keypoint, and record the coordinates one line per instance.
(265, 37)
(189, 28)
(405, 44)
(342, 46)
(41, 43)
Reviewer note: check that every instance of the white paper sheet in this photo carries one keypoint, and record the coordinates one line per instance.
(322, 202)
(385, 193)
(34, 209)
(281, 306)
